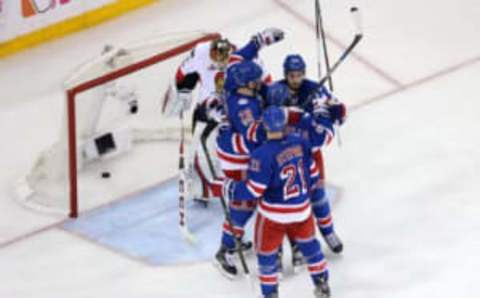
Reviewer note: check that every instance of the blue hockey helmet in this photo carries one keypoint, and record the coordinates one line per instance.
(294, 62)
(278, 94)
(242, 73)
(274, 119)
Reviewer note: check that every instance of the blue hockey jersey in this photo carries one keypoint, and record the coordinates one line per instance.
(318, 132)
(284, 177)
(308, 90)
(233, 147)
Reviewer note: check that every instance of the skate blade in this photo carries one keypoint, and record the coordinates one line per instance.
(223, 272)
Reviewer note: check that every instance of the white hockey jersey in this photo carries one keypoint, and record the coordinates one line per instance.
(200, 61)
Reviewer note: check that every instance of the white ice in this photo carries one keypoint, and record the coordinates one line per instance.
(409, 165)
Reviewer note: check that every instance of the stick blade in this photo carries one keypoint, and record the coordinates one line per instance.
(188, 236)
(357, 20)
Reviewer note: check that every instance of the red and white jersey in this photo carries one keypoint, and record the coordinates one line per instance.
(200, 61)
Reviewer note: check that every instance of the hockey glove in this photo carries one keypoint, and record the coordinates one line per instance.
(320, 107)
(294, 115)
(216, 115)
(338, 112)
(215, 111)
(268, 37)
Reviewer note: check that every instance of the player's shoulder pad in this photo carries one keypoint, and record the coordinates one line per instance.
(260, 157)
(297, 139)
(310, 84)
(262, 152)
(200, 50)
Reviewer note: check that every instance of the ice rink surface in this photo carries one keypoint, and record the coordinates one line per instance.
(409, 165)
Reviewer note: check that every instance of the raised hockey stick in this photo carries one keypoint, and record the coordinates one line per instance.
(238, 240)
(182, 191)
(356, 39)
(321, 44)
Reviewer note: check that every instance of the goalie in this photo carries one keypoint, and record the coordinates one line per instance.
(205, 66)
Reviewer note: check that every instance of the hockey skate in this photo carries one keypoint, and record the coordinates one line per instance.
(334, 242)
(224, 260)
(272, 295)
(322, 290)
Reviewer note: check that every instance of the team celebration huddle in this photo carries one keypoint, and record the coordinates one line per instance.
(266, 160)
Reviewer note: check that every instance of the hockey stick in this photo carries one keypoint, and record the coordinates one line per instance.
(321, 39)
(238, 240)
(356, 39)
(187, 235)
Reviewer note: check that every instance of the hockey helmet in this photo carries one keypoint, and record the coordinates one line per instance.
(274, 119)
(294, 62)
(278, 94)
(242, 73)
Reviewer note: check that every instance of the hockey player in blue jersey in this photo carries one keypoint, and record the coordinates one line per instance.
(243, 107)
(317, 131)
(206, 63)
(316, 100)
(284, 178)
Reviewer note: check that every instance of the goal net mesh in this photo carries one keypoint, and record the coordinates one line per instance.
(114, 104)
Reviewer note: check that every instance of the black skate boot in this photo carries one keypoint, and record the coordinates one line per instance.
(297, 258)
(322, 290)
(333, 242)
(224, 260)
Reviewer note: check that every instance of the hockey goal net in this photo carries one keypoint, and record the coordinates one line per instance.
(114, 139)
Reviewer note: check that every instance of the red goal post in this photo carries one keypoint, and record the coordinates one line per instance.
(73, 92)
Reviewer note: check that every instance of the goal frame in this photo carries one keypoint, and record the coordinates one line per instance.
(73, 92)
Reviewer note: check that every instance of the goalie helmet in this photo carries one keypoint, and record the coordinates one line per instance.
(220, 50)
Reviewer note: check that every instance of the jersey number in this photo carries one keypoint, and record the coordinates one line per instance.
(291, 188)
